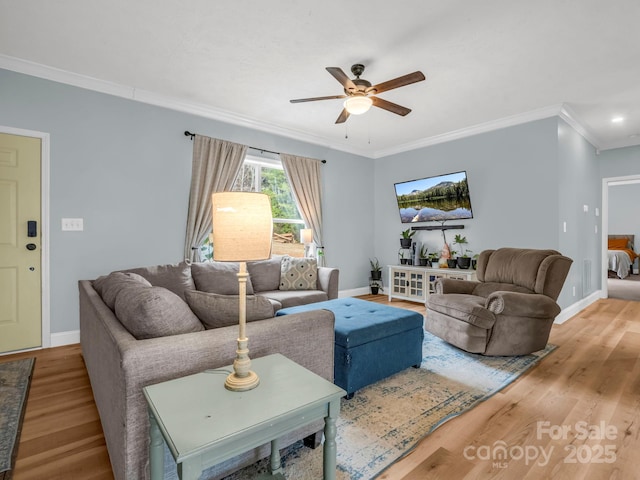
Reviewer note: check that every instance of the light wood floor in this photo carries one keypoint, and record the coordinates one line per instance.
(594, 377)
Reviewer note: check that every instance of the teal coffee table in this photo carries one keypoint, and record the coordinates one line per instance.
(204, 424)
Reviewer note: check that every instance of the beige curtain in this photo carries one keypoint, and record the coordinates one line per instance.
(305, 178)
(215, 165)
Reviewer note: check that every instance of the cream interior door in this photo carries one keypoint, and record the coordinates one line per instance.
(20, 242)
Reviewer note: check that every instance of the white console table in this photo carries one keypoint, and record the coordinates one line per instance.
(414, 283)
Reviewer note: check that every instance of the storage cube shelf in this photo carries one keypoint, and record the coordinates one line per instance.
(415, 283)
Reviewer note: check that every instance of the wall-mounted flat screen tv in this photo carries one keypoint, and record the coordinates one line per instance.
(439, 198)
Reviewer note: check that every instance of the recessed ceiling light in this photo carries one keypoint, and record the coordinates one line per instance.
(617, 120)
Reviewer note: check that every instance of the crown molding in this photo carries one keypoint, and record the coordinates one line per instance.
(143, 96)
(568, 115)
(90, 83)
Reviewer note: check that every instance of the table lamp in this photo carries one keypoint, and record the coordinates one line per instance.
(306, 237)
(242, 232)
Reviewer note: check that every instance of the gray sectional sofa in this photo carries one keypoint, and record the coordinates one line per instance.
(138, 327)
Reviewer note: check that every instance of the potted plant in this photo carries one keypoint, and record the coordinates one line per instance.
(474, 261)
(463, 261)
(376, 269)
(376, 286)
(423, 256)
(403, 260)
(405, 241)
(434, 258)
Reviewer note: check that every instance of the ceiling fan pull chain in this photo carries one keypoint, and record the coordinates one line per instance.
(346, 131)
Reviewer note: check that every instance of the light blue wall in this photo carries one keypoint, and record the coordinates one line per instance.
(578, 184)
(619, 162)
(524, 181)
(512, 176)
(125, 168)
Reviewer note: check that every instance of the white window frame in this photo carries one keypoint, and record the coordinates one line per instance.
(268, 162)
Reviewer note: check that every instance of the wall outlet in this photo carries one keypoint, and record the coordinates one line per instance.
(72, 224)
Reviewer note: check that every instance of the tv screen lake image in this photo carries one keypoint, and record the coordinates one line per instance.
(440, 198)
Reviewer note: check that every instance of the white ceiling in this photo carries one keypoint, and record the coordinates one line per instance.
(488, 64)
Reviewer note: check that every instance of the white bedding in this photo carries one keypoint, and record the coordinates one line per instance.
(619, 262)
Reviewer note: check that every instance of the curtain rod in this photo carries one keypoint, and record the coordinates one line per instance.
(187, 133)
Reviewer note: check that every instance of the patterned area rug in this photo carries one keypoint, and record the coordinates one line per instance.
(15, 380)
(384, 421)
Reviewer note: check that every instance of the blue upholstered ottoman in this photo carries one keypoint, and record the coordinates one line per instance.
(372, 341)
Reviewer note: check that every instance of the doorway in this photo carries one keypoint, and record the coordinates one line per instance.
(24, 246)
(618, 219)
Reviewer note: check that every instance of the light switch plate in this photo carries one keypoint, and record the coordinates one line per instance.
(72, 224)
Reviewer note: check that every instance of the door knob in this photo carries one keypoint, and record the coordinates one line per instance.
(31, 246)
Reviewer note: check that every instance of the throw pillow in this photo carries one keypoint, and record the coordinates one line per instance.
(175, 277)
(265, 274)
(216, 311)
(110, 285)
(298, 273)
(150, 312)
(218, 277)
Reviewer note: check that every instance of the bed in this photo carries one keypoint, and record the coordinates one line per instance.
(621, 255)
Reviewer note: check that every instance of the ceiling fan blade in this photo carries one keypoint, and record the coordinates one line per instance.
(392, 107)
(339, 75)
(343, 116)
(397, 82)
(331, 97)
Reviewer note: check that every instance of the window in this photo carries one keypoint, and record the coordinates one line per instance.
(266, 175)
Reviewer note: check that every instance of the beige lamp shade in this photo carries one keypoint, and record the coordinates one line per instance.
(306, 235)
(242, 226)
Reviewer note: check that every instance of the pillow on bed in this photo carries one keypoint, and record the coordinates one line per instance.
(618, 243)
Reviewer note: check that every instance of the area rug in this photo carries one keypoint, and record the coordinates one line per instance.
(384, 421)
(15, 380)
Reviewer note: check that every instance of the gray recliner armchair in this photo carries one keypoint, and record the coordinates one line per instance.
(509, 310)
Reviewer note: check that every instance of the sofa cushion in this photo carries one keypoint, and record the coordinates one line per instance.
(485, 289)
(216, 311)
(109, 286)
(175, 277)
(150, 312)
(298, 273)
(218, 277)
(293, 298)
(467, 308)
(265, 274)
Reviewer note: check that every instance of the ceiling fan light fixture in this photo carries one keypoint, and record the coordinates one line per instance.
(358, 105)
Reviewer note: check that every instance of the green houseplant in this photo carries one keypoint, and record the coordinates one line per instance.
(376, 286)
(376, 269)
(423, 255)
(405, 241)
(463, 260)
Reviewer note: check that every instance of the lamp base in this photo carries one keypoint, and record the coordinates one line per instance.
(241, 384)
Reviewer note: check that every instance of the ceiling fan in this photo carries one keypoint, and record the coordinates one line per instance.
(359, 93)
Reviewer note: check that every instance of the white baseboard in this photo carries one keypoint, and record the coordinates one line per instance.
(354, 292)
(65, 338)
(575, 308)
